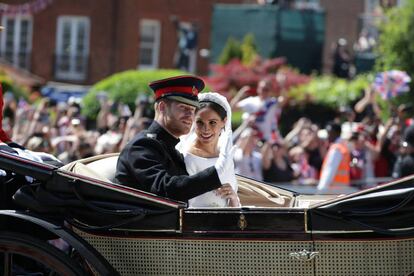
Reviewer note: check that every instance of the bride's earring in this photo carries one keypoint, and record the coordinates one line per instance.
(222, 131)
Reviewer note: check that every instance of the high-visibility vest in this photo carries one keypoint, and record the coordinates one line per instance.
(342, 175)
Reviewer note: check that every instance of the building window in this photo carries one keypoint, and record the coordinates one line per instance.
(308, 4)
(72, 48)
(16, 40)
(149, 47)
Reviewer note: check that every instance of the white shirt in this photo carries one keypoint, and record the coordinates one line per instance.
(195, 164)
(249, 166)
(333, 159)
(270, 111)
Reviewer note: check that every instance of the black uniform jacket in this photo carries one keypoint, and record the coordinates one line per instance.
(150, 162)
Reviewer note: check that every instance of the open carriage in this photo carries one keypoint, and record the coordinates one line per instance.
(75, 221)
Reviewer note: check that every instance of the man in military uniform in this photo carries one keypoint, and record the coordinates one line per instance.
(150, 161)
(404, 165)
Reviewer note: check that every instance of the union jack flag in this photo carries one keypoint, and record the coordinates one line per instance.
(391, 83)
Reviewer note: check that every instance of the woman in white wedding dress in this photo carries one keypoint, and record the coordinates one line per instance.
(211, 132)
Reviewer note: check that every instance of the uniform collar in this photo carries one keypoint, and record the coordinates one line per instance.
(162, 134)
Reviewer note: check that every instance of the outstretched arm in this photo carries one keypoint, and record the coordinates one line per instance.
(329, 170)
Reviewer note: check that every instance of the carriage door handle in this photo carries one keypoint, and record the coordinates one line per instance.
(304, 255)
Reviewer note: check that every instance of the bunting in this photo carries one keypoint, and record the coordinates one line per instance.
(31, 7)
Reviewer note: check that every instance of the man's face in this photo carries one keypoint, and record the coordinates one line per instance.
(178, 117)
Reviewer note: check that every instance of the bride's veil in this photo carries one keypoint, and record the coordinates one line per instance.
(187, 140)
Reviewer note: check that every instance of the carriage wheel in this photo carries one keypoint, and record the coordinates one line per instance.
(21, 254)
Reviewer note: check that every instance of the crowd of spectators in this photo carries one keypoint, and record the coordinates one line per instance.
(374, 146)
(60, 128)
(262, 152)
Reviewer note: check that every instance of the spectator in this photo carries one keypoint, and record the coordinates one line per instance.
(110, 140)
(362, 157)
(367, 107)
(387, 148)
(263, 109)
(405, 162)
(276, 163)
(336, 164)
(247, 159)
(303, 171)
(342, 59)
(187, 34)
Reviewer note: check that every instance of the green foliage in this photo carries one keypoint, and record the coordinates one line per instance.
(248, 49)
(396, 47)
(245, 51)
(230, 51)
(124, 88)
(331, 91)
(236, 119)
(9, 86)
(336, 93)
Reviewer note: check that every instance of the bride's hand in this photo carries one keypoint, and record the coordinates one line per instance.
(227, 192)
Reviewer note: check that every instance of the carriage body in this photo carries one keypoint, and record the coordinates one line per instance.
(122, 230)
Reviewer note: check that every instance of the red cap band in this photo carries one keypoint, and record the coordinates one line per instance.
(178, 89)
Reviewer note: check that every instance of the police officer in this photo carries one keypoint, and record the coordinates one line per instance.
(150, 161)
(404, 165)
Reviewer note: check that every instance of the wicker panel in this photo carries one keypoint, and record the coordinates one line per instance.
(201, 257)
(385, 257)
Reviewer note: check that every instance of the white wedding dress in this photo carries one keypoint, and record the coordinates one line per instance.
(196, 164)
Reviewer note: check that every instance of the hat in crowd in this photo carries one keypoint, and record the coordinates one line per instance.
(183, 89)
(408, 136)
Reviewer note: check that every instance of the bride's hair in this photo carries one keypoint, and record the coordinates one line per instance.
(220, 105)
(215, 107)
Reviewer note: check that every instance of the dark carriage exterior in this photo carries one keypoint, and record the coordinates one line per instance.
(118, 229)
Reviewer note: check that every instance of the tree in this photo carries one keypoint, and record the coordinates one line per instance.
(246, 51)
(396, 45)
(230, 51)
(8, 85)
(124, 88)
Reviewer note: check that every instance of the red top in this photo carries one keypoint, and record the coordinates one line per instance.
(3, 135)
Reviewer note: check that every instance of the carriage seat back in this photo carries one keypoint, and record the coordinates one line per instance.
(106, 167)
(102, 167)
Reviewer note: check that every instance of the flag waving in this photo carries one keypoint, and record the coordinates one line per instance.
(390, 84)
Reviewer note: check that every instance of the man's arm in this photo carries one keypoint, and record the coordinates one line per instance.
(147, 162)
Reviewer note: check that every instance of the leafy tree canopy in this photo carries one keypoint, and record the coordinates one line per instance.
(246, 51)
(124, 88)
(396, 46)
(9, 86)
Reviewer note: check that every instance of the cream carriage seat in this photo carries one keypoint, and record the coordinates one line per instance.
(103, 167)
(100, 167)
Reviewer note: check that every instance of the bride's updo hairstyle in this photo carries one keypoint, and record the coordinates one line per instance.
(214, 106)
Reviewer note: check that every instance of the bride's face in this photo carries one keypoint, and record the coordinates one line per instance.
(208, 125)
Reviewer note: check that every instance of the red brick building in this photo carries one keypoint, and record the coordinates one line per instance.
(83, 41)
(347, 18)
